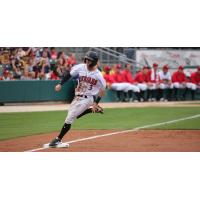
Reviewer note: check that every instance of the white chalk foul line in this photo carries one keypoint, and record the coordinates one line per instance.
(120, 132)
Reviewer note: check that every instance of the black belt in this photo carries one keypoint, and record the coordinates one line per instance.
(84, 96)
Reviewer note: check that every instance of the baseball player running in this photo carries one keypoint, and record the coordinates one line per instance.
(90, 84)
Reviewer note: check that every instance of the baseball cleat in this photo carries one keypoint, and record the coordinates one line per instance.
(162, 99)
(57, 143)
(141, 100)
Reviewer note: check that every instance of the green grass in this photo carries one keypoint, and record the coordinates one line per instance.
(191, 124)
(13, 125)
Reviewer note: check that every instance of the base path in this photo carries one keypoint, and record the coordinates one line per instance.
(137, 141)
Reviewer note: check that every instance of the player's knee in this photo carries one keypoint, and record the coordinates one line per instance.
(176, 85)
(193, 87)
(69, 120)
(143, 87)
(135, 89)
(162, 86)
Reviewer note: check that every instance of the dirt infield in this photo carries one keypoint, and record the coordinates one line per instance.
(140, 141)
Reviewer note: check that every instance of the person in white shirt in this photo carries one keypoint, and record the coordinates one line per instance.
(165, 83)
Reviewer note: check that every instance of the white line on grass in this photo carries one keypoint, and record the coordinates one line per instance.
(125, 131)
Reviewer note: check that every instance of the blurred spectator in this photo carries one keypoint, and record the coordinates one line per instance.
(5, 57)
(153, 84)
(17, 66)
(53, 53)
(124, 89)
(37, 71)
(46, 50)
(27, 75)
(21, 53)
(112, 84)
(182, 82)
(54, 75)
(71, 60)
(165, 83)
(195, 82)
(44, 66)
(133, 88)
(141, 79)
(7, 75)
(179, 82)
(62, 58)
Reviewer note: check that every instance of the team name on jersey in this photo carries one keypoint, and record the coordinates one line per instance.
(88, 80)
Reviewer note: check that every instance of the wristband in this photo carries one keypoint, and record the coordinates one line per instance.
(97, 99)
(65, 78)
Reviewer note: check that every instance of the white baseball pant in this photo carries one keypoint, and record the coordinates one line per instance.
(192, 86)
(78, 106)
(165, 86)
(179, 85)
(142, 86)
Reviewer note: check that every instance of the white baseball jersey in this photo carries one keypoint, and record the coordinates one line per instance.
(89, 82)
(163, 76)
(154, 75)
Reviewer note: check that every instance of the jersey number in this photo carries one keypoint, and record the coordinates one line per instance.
(90, 87)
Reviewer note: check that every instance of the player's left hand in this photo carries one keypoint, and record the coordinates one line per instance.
(97, 109)
(58, 87)
(94, 107)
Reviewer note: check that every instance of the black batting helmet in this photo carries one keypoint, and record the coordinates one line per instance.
(92, 56)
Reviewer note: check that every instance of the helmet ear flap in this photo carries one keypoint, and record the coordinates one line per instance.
(93, 57)
(93, 64)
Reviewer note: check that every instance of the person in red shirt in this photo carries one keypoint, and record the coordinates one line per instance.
(133, 86)
(107, 76)
(141, 79)
(195, 82)
(71, 60)
(54, 75)
(179, 82)
(53, 53)
(121, 82)
(112, 83)
(117, 82)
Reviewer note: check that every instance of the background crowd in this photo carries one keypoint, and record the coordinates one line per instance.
(26, 63)
(151, 83)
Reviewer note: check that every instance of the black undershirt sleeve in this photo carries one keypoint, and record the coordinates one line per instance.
(65, 78)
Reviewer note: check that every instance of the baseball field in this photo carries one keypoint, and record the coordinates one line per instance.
(123, 127)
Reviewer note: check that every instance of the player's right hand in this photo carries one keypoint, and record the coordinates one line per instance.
(58, 87)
